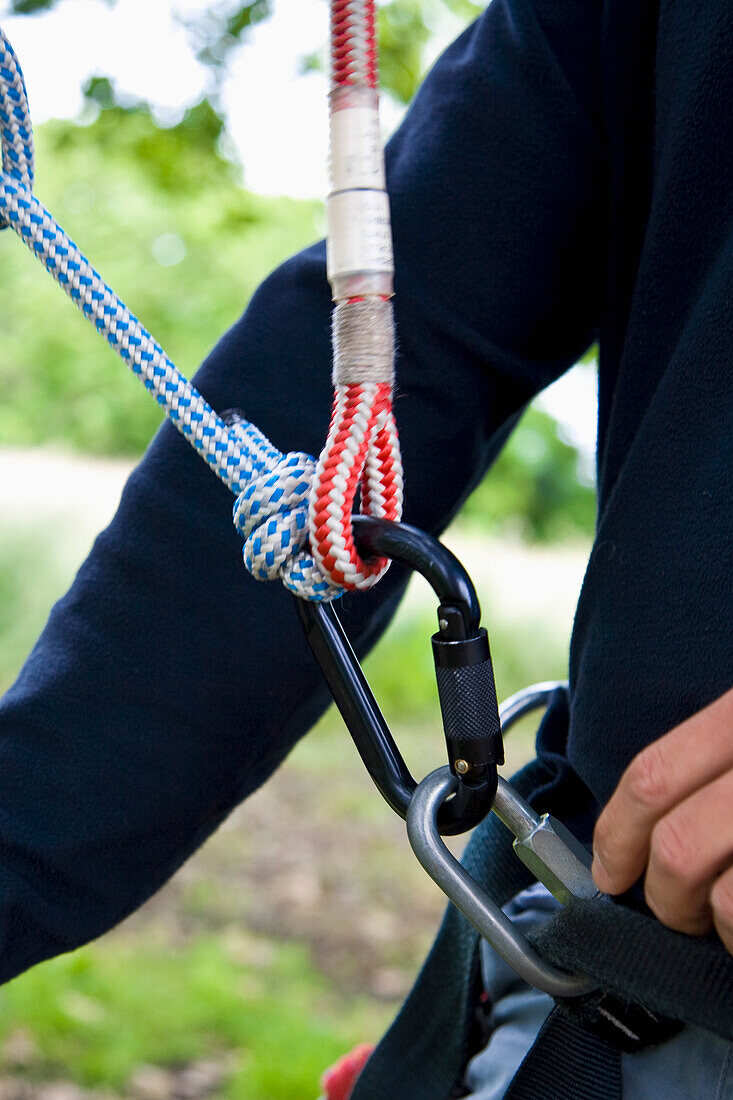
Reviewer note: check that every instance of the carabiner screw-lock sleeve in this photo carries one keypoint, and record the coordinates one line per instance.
(465, 678)
(468, 703)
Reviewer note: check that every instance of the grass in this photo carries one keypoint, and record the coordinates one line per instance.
(95, 1016)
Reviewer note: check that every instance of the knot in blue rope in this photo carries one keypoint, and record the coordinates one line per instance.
(271, 515)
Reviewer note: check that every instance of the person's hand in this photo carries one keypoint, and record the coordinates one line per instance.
(672, 813)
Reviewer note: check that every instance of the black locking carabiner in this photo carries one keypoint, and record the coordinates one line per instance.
(455, 799)
(463, 669)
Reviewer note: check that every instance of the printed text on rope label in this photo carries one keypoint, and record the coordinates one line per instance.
(356, 149)
(359, 237)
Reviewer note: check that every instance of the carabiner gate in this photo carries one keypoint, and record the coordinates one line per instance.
(464, 673)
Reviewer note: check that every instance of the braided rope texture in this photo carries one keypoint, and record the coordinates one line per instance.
(362, 451)
(353, 43)
(272, 488)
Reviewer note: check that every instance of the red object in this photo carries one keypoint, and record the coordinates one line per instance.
(346, 25)
(338, 1081)
(351, 405)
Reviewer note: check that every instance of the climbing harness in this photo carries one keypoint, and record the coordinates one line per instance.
(642, 980)
(295, 515)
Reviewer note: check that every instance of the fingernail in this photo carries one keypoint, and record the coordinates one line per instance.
(601, 876)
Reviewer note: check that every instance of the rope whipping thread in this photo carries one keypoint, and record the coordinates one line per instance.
(272, 488)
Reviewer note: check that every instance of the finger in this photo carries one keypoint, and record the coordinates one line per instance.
(667, 771)
(721, 900)
(690, 847)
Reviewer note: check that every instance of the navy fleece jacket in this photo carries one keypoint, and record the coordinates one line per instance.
(564, 174)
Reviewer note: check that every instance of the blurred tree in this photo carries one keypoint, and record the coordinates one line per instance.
(537, 487)
(30, 7)
(406, 28)
(213, 32)
(195, 246)
(163, 213)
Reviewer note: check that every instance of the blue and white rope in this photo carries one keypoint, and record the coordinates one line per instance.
(272, 488)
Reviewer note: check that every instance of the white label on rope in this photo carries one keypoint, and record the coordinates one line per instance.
(359, 237)
(356, 158)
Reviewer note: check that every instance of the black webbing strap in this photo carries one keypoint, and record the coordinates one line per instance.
(641, 961)
(632, 956)
(425, 1051)
(567, 1063)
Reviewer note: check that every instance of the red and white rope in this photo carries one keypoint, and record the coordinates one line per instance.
(361, 454)
(353, 43)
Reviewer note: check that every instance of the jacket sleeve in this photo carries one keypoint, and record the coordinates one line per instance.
(168, 684)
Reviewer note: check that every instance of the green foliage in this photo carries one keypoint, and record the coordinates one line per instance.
(161, 213)
(406, 30)
(176, 155)
(402, 674)
(464, 9)
(100, 1013)
(221, 26)
(403, 36)
(28, 7)
(100, 92)
(534, 487)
